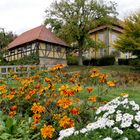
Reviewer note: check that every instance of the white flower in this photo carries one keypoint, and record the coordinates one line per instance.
(84, 130)
(66, 132)
(118, 117)
(117, 130)
(126, 124)
(137, 116)
(136, 107)
(76, 132)
(107, 138)
(125, 101)
(138, 129)
(110, 123)
(136, 125)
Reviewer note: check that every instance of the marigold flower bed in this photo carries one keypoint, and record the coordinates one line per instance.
(43, 105)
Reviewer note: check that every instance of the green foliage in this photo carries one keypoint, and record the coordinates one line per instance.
(27, 60)
(72, 60)
(123, 61)
(14, 128)
(129, 41)
(6, 38)
(72, 20)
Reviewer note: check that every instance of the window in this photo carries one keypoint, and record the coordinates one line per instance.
(103, 52)
(48, 47)
(58, 49)
(12, 51)
(29, 47)
(19, 49)
(114, 37)
(101, 37)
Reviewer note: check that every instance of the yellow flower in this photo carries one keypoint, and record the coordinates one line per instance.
(94, 73)
(66, 122)
(77, 88)
(124, 94)
(56, 116)
(92, 98)
(111, 84)
(47, 131)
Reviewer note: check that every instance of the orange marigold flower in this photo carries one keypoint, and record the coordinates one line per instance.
(47, 80)
(77, 88)
(89, 89)
(37, 108)
(72, 80)
(102, 78)
(66, 122)
(111, 84)
(12, 113)
(64, 103)
(74, 111)
(93, 98)
(13, 108)
(2, 87)
(38, 86)
(94, 73)
(33, 127)
(68, 92)
(104, 102)
(47, 131)
(36, 116)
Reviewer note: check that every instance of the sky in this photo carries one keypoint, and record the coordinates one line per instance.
(21, 15)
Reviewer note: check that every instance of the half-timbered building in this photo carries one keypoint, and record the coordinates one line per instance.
(40, 40)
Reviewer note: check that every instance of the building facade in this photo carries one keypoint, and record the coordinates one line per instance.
(50, 49)
(106, 35)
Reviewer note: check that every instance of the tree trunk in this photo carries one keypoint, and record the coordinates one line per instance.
(80, 59)
(80, 52)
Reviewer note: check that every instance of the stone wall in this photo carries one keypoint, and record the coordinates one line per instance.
(52, 61)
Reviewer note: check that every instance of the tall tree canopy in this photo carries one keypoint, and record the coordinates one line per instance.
(129, 41)
(72, 19)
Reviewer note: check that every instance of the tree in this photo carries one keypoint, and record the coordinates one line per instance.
(6, 38)
(72, 20)
(129, 41)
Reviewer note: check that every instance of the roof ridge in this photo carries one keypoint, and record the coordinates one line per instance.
(42, 26)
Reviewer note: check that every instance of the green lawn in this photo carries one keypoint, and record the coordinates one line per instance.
(133, 88)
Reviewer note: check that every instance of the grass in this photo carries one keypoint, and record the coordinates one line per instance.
(113, 68)
(132, 89)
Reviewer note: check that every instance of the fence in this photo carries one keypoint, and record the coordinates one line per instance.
(20, 69)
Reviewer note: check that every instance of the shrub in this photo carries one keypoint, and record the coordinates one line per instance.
(104, 61)
(27, 60)
(87, 62)
(123, 61)
(135, 62)
(72, 60)
(107, 60)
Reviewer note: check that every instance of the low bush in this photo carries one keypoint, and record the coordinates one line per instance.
(72, 60)
(135, 63)
(107, 60)
(104, 61)
(123, 61)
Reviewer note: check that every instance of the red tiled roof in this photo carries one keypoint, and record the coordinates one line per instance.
(38, 33)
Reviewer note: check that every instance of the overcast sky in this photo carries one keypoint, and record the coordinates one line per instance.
(21, 15)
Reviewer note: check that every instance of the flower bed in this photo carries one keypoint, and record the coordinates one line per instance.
(49, 102)
(118, 119)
